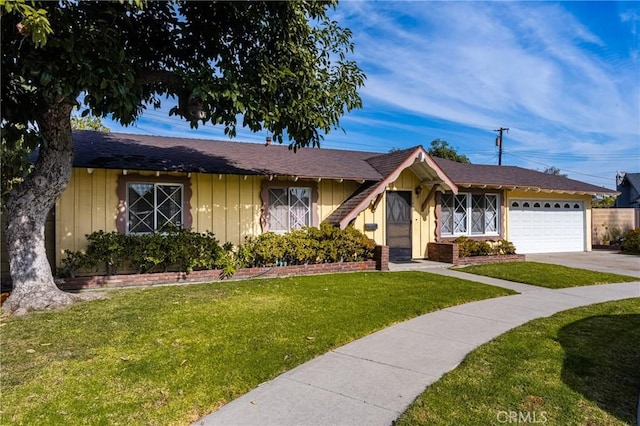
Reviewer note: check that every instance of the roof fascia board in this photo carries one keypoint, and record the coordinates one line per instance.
(419, 153)
(538, 189)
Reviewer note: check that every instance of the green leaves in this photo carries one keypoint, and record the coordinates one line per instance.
(34, 23)
(306, 246)
(281, 66)
(442, 149)
(182, 249)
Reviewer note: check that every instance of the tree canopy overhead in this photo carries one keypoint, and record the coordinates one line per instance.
(283, 67)
(442, 149)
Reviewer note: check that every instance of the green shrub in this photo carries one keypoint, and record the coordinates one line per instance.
(227, 261)
(326, 243)
(73, 261)
(183, 250)
(267, 249)
(186, 250)
(631, 242)
(147, 251)
(300, 247)
(108, 248)
(504, 247)
(354, 246)
(191, 250)
(326, 237)
(341, 245)
(243, 254)
(468, 247)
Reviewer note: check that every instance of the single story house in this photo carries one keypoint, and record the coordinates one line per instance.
(404, 199)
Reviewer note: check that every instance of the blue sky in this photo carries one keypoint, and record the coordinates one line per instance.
(563, 77)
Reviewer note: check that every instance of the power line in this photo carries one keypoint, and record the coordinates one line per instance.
(573, 156)
(565, 170)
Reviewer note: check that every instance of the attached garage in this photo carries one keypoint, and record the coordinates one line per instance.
(547, 226)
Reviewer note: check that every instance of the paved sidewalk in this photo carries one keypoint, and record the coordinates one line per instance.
(596, 260)
(374, 379)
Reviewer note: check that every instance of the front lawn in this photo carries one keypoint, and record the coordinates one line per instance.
(578, 367)
(545, 274)
(169, 355)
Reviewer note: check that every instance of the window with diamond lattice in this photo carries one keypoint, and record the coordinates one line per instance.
(460, 214)
(153, 207)
(447, 214)
(484, 214)
(469, 214)
(289, 208)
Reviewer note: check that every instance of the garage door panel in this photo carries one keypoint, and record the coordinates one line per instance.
(553, 226)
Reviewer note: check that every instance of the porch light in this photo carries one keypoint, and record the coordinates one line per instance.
(418, 189)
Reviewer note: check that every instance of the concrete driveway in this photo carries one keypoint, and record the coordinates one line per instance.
(597, 260)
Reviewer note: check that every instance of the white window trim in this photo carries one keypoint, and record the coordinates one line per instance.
(469, 210)
(287, 190)
(155, 204)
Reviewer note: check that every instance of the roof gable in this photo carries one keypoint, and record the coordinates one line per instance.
(390, 166)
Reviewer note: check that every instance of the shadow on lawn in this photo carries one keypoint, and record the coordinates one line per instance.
(601, 362)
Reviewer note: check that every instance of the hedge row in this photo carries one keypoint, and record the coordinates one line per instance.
(181, 250)
(185, 251)
(306, 246)
(468, 247)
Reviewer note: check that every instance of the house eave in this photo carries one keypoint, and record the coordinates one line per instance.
(534, 189)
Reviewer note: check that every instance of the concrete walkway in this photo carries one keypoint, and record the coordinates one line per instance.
(596, 260)
(374, 379)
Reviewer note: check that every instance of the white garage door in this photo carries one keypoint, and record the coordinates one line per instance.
(546, 226)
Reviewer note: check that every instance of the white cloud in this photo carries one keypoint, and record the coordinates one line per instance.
(528, 66)
(458, 70)
(474, 63)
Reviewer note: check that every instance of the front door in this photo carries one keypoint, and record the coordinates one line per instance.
(399, 225)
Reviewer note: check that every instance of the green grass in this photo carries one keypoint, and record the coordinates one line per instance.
(169, 355)
(545, 274)
(578, 367)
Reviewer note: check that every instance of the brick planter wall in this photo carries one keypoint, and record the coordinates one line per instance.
(448, 253)
(81, 283)
(380, 263)
(496, 258)
(442, 252)
(381, 257)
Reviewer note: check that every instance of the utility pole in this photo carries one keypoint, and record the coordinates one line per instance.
(499, 142)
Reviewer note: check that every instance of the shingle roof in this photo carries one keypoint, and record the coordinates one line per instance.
(137, 152)
(509, 176)
(362, 193)
(387, 163)
(633, 179)
(128, 151)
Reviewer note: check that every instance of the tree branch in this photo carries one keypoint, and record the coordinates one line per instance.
(168, 78)
(190, 107)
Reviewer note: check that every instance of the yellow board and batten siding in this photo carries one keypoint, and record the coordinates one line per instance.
(421, 227)
(331, 194)
(228, 205)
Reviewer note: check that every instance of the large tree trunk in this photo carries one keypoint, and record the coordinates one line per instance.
(27, 209)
